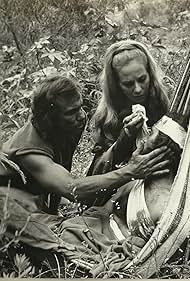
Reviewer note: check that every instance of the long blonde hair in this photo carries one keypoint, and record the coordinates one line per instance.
(111, 102)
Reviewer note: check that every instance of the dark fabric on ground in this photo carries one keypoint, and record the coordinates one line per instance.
(87, 238)
(19, 211)
(96, 243)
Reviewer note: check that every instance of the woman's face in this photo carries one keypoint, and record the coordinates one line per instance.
(134, 81)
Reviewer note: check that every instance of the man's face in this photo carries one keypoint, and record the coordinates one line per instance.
(70, 114)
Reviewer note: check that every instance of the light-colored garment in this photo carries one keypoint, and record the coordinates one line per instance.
(138, 216)
(116, 229)
(172, 129)
(139, 221)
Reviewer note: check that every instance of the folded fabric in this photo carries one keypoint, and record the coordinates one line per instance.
(138, 217)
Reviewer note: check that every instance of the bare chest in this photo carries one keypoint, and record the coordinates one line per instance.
(157, 193)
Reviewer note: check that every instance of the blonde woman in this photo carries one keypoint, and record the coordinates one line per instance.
(130, 76)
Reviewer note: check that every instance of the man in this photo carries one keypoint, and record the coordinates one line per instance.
(44, 146)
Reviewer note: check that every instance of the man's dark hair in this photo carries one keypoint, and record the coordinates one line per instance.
(45, 99)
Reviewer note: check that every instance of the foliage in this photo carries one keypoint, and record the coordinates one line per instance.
(69, 37)
(22, 268)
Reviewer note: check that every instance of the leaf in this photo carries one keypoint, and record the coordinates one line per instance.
(39, 44)
(51, 57)
(83, 48)
(25, 94)
(10, 126)
(44, 55)
(14, 121)
(11, 79)
(21, 262)
(3, 118)
(169, 79)
(159, 46)
(11, 275)
(49, 70)
(26, 272)
(22, 110)
(7, 49)
(90, 57)
(23, 265)
(58, 56)
(44, 39)
(111, 22)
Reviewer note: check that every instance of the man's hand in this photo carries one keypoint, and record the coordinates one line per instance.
(152, 163)
(132, 124)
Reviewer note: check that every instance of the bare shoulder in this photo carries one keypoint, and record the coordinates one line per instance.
(34, 161)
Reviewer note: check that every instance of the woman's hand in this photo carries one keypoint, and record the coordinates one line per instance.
(132, 124)
(152, 163)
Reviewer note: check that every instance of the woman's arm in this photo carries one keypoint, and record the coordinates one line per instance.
(106, 156)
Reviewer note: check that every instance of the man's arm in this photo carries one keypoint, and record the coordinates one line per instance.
(55, 178)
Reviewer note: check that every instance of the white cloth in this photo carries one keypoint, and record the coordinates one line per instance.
(138, 216)
(172, 129)
(116, 230)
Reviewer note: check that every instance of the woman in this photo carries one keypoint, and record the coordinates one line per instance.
(130, 76)
(107, 237)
